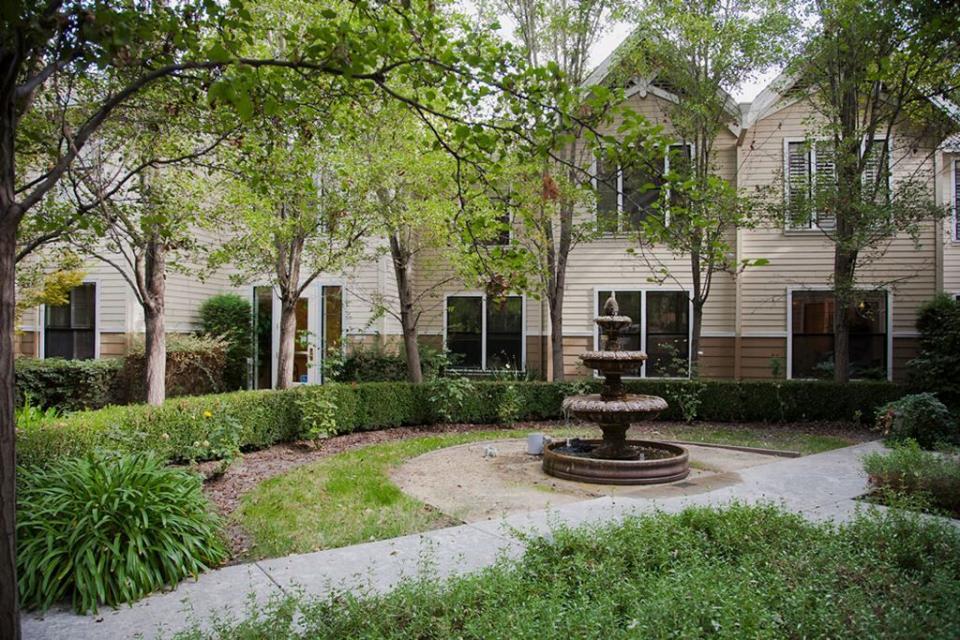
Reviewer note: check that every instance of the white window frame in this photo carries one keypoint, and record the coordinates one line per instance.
(643, 325)
(889, 327)
(621, 228)
(955, 200)
(42, 334)
(483, 324)
(813, 224)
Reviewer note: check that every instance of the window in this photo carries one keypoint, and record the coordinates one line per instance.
(483, 333)
(70, 329)
(627, 195)
(811, 336)
(660, 327)
(956, 200)
(810, 173)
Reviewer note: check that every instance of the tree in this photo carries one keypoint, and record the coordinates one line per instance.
(870, 71)
(559, 33)
(292, 209)
(414, 53)
(702, 50)
(412, 202)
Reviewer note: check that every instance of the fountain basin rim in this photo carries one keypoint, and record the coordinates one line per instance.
(618, 472)
(614, 356)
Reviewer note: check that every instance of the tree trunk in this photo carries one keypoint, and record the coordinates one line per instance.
(9, 609)
(154, 312)
(555, 303)
(403, 268)
(844, 263)
(288, 337)
(695, 331)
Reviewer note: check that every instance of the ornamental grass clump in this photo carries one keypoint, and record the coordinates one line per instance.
(109, 529)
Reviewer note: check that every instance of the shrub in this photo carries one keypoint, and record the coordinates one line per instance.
(374, 364)
(110, 530)
(919, 417)
(195, 366)
(262, 418)
(67, 385)
(937, 368)
(907, 469)
(229, 316)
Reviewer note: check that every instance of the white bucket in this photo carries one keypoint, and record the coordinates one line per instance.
(535, 444)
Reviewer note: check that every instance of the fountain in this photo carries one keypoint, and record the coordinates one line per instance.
(614, 459)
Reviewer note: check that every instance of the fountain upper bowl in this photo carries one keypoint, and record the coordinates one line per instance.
(631, 408)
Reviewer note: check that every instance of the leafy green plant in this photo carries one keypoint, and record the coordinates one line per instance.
(229, 316)
(29, 416)
(68, 385)
(933, 478)
(448, 395)
(937, 368)
(510, 405)
(195, 366)
(919, 417)
(106, 530)
(222, 442)
(319, 416)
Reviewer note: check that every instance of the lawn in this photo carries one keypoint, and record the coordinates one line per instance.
(805, 439)
(743, 572)
(349, 498)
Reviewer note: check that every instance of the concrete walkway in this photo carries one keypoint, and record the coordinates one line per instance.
(820, 487)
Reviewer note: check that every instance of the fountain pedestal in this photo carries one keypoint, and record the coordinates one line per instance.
(615, 459)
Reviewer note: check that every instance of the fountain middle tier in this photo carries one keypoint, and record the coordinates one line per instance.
(621, 411)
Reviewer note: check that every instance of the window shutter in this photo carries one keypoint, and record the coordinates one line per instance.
(607, 195)
(798, 185)
(875, 184)
(956, 199)
(826, 179)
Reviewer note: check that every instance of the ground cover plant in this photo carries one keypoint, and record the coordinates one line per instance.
(927, 480)
(349, 497)
(739, 572)
(106, 530)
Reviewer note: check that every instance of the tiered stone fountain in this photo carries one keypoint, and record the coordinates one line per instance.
(614, 459)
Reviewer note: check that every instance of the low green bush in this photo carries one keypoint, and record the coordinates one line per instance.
(261, 418)
(67, 385)
(375, 364)
(195, 366)
(737, 572)
(937, 367)
(931, 478)
(919, 417)
(106, 530)
(229, 316)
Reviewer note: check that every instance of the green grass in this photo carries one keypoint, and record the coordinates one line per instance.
(348, 498)
(773, 437)
(742, 572)
(345, 499)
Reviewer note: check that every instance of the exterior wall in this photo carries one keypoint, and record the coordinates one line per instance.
(761, 357)
(804, 259)
(950, 241)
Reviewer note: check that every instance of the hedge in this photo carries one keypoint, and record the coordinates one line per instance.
(183, 428)
(69, 385)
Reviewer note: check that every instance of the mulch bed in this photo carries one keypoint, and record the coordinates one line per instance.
(226, 491)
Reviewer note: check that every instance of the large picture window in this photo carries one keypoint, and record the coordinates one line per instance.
(483, 333)
(812, 342)
(660, 327)
(70, 329)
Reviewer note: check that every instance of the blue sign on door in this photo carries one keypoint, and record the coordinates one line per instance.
(303, 378)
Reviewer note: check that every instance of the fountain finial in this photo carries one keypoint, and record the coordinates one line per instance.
(611, 307)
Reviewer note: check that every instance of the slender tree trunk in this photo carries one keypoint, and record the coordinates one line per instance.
(403, 269)
(9, 609)
(288, 337)
(558, 277)
(696, 330)
(555, 303)
(154, 313)
(843, 280)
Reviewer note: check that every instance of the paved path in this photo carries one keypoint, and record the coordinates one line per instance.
(820, 487)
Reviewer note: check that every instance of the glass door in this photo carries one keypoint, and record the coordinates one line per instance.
(332, 322)
(306, 365)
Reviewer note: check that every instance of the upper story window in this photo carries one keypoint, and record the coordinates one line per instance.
(69, 330)
(956, 200)
(483, 333)
(810, 172)
(627, 195)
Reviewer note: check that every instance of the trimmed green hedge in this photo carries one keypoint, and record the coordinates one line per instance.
(195, 428)
(68, 385)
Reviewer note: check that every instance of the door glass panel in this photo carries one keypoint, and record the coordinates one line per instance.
(668, 334)
(332, 319)
(263, 336)
(505, 333)
(630, 305)
(301, 346)
(464, 331)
